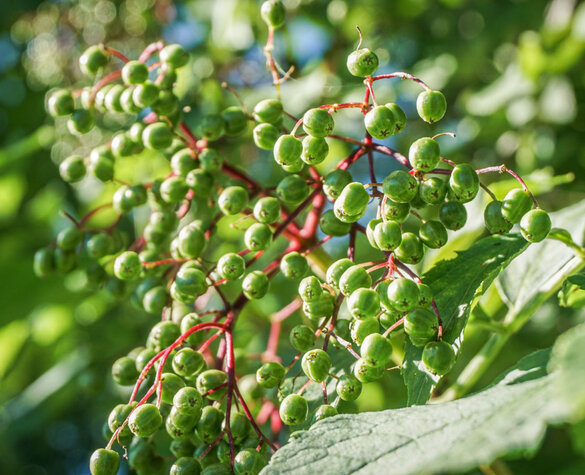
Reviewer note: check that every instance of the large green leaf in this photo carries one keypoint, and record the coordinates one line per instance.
(507, 419)
(541, 263)
(456, 285)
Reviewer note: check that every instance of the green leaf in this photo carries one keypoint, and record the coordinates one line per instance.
(541, 263)
(456, 285)
(509, 418)
(573, 292)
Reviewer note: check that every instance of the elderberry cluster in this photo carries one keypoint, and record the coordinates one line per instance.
(188, 391)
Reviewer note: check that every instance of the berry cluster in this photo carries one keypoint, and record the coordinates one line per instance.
(187, 388)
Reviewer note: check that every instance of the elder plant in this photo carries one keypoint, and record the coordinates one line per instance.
(185, 379)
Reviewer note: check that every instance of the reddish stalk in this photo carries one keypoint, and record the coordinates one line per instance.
(401, 76)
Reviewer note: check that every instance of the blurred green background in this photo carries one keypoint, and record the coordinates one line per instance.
(513, 73)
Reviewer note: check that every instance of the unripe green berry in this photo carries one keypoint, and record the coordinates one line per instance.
(316, 365)
(265, 136)
(145, 420)
(336, 270)
(255, 285)
(235, 121)
(273, 13)
(318, 122)
(352, 202)
(424, 154)
(332, 226)
(411, 249)
(535, 225)
(188, 401)
(209, 425)
(287, 150)
(210, 160)
(495, 223)
(145, 94)
(420, 324)
(81, 122)
(425, 295)
(157, 136)
(267, 210)
(360, 329)
(438, 357)
(310, 289)
(294, 266)
(515, 205)
(44, 263)
(354, 278)
(200, 181)
(294, 410)
(124, 371)
(376, 350)
(127, 266)
(400, 186)
(69, 238)
(432, 190)
(134, 72)
(403, 294)
(209, 380)
(324, 411)
(104, 462)
(302, 338)
(397, 212)
(453, 215)
(174, 55)
(348, 387)
(60, 103)
(248, 462)
(364, 303)
(380, 122)
(72, 169)
(320, 308)
(387, 235)
(433, 234)
(431, 106)
(268, 111)
(399, 117)
(362, 62)
(258, 237)
(270, 374)
(464, 183)
(231, 266)
(188, 362)
(335, 182)
(315, 150)
(174, 189)
(367, 373)
(292, 190)
(93, 60)
(233, 200)
(185, 466)
(211, 127)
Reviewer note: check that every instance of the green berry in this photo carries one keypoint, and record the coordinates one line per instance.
(200, 181)
(294, 266)
(255, 285)
(188, 362)
(376, 350)
(420, 324)
(431, 106)
(185, 466)
(332, 226)
(80, 122)
(464, 183)
(310, 289)
(145, 420)
(183, 422)
(380, 122)
(258, 237)
(370, 231)
(163, 334)
(174, 55)
(367, 373)
(99, 245)
(348, 387)
(335, 182)
(155, 300)
(60, 103)
(292, 190)
(235, 121)
(210, 160)
(173, 189)
(294, 410)
(231, 266)
(211, 127)
(426, 295)
(320, 308)
(287, 150)
(393, 211)
(191, 241)
(316, 365)
(273, 13)
(167, 104)
(188, 401)
(65, 261)
(104, 462)
(233, 200)
(388, 318)
(424, 154)
(360, 329)
(170, 385)
(190, 283)
(364, 303)
(69, 238)
(157, 136)
(145, 94)
(265, 136)
(399, 116)
(362, 62)
(387, 235)
(535, 225)
(400, 186)
(270, 374)
(432, 190)
(182, 448)
(403, 294)
(239, 426)
(495, 223)
(352, 202)
(438, 357)
(122, 146)
(188, 322)
(268, 111)
(93, 60)
(72, 169)
(433, 234)
(117, 417)
(267, 210)
(453, 215)
(515, 205)
(127, 266)
(134, 72)
(315, 150)
(127, 102)
(302, 338)
(209, 380)
(209, 425)
(324, 411)
(44, 263)
(355, 277)
(336, 270)
(124, 371)
(248, 462)
(318, 122)
(411, 249)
